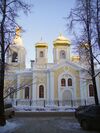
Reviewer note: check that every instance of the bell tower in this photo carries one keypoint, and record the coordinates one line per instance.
(41, 52)
(61, 50)
(16, 54)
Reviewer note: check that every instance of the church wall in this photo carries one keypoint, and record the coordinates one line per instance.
(10, 81)
(40, 79)
(57, 53)
(25, 81)
(44, 59)
(69, 70)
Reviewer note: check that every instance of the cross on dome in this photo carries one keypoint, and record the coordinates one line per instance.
(18, 30)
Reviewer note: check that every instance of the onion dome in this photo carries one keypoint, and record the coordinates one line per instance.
(75, 58)
(62, 41)
(41, 44)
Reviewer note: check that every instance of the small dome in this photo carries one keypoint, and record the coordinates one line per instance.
(62, 40)
(75, 58)
(41, 44)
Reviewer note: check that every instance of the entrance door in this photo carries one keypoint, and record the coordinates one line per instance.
(66, 97)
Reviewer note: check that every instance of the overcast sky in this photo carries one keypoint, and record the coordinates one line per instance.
(47, 21)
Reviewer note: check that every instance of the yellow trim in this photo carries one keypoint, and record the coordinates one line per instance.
(61, 44)
(41, 46)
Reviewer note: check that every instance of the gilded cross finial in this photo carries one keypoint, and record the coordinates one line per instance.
(41, 38)
(60, 34)
(18, 31)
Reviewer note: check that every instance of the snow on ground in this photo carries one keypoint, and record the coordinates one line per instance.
(44, 109)
(8, 127)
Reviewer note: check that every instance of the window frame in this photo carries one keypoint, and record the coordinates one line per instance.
(91, 90)
(41, 54)
(27, 93)
(14, 57)
(62, 54)
(63, 82)
(69, 81)
(41, 91)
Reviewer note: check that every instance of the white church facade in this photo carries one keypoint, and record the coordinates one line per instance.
(65, 79)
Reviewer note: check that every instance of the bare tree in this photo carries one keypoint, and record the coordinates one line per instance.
(83, 17)
(9, 11)
(96, 20)
(23, 84)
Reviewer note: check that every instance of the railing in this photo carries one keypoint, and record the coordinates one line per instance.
(50, 103)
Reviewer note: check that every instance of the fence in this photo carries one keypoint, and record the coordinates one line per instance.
(57, 103)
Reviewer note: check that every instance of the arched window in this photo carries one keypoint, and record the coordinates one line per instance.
(62, 54)
(41, 91)
(69, 82)
(15, 57)
(11, 92)
(41, 54)
(26, 92)
(63, 82)
(91, 90)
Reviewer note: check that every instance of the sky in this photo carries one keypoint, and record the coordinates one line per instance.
(45, 21)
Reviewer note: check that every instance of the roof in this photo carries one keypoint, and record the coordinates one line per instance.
(61, 40)
(41, 44)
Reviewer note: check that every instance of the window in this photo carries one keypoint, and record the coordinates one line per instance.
(63, 82)
(14, 57)
(41, 91)
(41, 54)
(11, 92)
(69, 82)
(91, 90)
(62, 54)
(26, 92)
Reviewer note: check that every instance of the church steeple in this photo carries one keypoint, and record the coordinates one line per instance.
(16, 53)
(41, 52)
(61, 51)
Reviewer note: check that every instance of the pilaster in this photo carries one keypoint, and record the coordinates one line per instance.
(18, 86)
(51, 85)
(34, 87)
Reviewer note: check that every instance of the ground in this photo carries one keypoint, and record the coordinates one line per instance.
(43, 125)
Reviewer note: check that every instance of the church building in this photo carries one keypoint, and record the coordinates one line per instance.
(65, 79)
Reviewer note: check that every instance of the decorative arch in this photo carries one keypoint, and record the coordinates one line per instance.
(73, 90)
(62, 54)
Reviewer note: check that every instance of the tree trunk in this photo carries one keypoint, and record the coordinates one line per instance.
(2, 115)
(93, 78)
(2, 67)
(98, 22)
(88, 27)
(2, 70)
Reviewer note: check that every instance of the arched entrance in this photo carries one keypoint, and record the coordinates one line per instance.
(66, 97)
